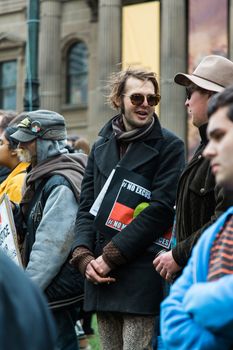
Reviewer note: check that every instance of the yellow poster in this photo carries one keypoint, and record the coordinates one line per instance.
(141, 36)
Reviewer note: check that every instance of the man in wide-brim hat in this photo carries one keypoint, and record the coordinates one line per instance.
(199, 202)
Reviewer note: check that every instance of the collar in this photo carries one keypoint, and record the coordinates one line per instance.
(202, 132)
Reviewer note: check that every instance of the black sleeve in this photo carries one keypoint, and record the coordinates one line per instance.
(182, 252)
(85, 232)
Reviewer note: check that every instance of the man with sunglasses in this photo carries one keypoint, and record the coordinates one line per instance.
(122, 286)
(199, 202)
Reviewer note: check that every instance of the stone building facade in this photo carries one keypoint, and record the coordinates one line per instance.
(90, 30)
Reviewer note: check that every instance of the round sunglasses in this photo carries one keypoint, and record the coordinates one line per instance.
(138, 99)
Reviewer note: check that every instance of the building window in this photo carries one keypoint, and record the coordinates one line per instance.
(77, 75)
(8, 74)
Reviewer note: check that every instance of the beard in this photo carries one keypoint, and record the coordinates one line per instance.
(24, 155)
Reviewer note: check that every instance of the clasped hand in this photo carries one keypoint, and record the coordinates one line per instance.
(166, 266)
(97, 271)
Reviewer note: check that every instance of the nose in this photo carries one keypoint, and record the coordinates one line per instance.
(145, 102)
(209, 151)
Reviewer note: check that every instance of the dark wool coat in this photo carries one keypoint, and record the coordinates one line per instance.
(160, 158)
(199, 202)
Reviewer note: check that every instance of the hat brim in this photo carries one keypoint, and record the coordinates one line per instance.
(186, 79)
(22, 136)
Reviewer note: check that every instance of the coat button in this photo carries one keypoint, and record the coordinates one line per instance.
(202, 190)
(200, 156)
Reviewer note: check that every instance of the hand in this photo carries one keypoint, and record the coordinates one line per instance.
(100, 266)
(166, 266)
(97, 270)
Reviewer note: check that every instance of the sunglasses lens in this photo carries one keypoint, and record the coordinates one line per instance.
(137, 99)
(152, 100)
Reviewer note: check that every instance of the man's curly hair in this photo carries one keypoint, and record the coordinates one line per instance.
(116, 84)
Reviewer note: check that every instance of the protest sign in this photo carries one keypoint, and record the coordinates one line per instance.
(126, 195)
(8, 237)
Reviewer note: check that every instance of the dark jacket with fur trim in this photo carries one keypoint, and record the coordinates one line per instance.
(159, 157)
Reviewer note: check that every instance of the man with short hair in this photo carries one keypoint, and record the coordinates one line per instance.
(115, 246)
(199, 202)
(198, 312)
(46, 216)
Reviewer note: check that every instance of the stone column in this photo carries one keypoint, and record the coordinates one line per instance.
(108, 60)
(173, 60)
(50, 55)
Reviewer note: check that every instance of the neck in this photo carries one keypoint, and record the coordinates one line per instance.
(13, 163)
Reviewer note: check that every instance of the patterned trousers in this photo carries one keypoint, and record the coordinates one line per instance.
(120, 331)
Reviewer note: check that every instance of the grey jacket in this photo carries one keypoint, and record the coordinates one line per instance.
(51, 240)
(57, 230)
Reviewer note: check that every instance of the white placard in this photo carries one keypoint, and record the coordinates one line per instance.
(8, 236)
(96, 205)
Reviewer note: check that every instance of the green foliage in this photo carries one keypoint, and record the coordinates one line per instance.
(94, 341)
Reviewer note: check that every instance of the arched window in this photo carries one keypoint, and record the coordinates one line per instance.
(77, 75)
(8, 74)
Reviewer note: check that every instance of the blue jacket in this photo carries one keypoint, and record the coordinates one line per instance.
(199, 314)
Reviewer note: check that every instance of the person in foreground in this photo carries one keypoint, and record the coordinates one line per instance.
(46, 216)
(114, 251)
(198, 312)
(25, 320)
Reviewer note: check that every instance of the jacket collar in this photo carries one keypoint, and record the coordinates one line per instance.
(202, 132)
(201, 261)
(140, 152)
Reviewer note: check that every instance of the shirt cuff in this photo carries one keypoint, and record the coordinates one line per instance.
(112, 256)
(80, 258)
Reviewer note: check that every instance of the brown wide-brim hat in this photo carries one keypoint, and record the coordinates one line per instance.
(213, 73)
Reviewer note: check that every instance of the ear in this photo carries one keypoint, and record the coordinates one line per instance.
(14, 153)
(118, 102)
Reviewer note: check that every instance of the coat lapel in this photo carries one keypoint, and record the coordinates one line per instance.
(139, 153)
(107, 156)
